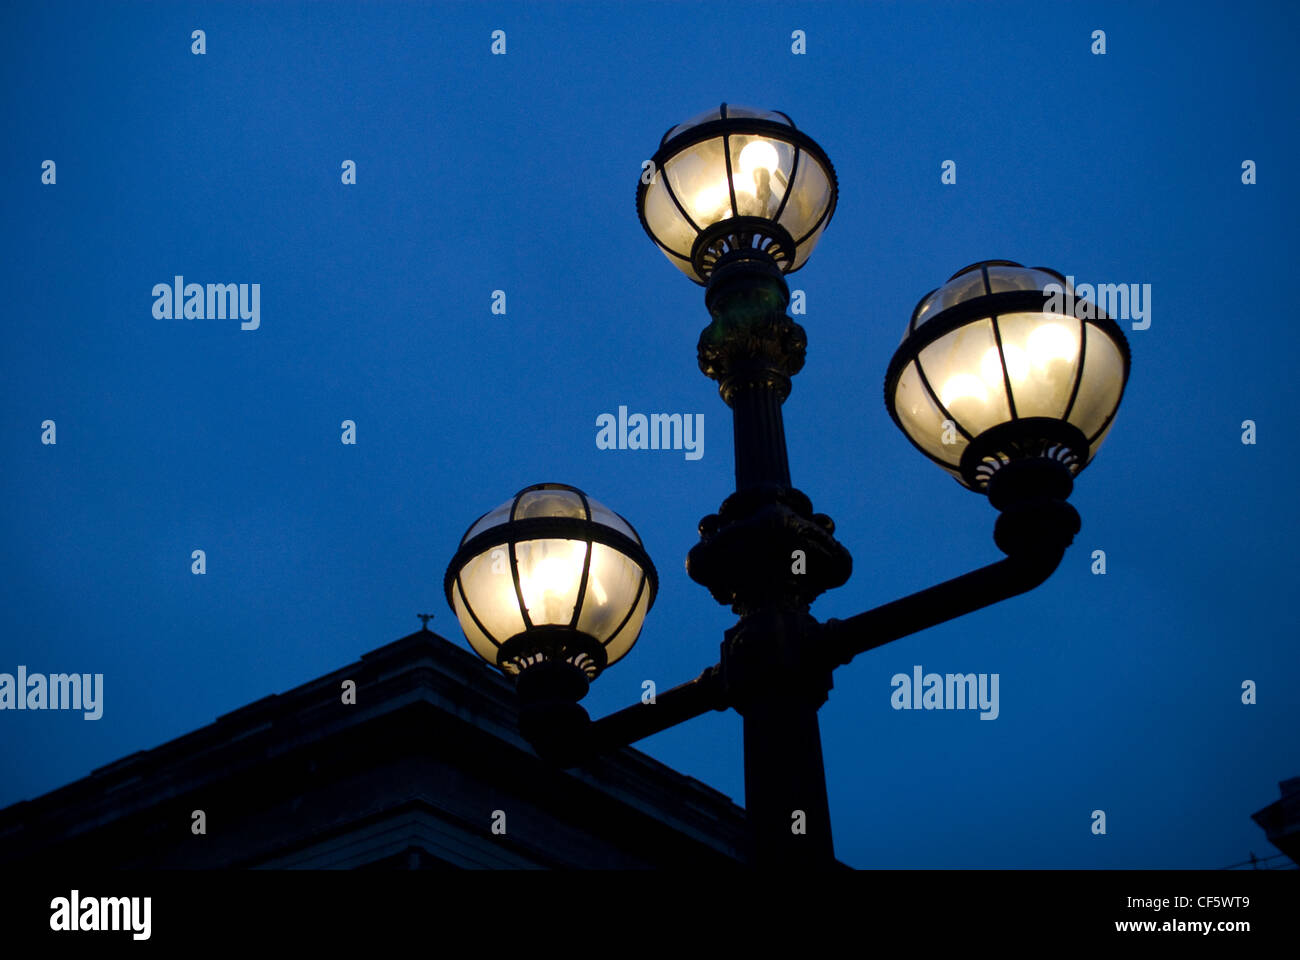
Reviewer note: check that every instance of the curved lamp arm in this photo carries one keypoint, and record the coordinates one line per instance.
(1035, 527)
(561, 732)
(999, 581)
(670, 708)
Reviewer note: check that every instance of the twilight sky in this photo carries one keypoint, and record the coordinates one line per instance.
(478, 172)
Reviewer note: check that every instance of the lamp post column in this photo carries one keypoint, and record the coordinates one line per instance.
(753, 349)
(767, 555)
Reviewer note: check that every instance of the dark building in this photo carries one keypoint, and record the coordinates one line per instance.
(414, 775)
(1281, 819)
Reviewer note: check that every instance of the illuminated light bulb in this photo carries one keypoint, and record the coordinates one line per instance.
(1052, 341)
(758, 154)
(759, 165)
(962, 386)
(550, 585)
(709, 203)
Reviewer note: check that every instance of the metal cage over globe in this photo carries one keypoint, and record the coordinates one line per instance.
(551, 575)
(1003, 363)
(737, 181)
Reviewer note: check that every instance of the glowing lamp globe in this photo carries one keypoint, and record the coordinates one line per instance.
(735, 181)
(551, 575)
(1002, 364)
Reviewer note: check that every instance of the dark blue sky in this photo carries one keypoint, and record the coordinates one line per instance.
(477, 173)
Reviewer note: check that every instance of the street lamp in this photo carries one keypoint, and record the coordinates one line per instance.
(551, 587)
(1003, 389)
(551, 575)
(992, 371)
(734, 178)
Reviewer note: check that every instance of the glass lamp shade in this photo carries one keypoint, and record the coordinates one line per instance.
(551, 575)
(1004, 363)
(736, 179)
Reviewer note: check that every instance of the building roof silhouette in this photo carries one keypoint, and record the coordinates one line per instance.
(414, 774)
(1281, 819)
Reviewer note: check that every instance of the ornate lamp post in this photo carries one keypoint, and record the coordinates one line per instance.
(1005, 392)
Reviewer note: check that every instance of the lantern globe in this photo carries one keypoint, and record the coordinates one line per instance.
(551, 575)
(1004, 363)
(736, 182)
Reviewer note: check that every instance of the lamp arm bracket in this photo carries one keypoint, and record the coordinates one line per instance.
(667, 709)
(845, 639)
(1034, 534)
